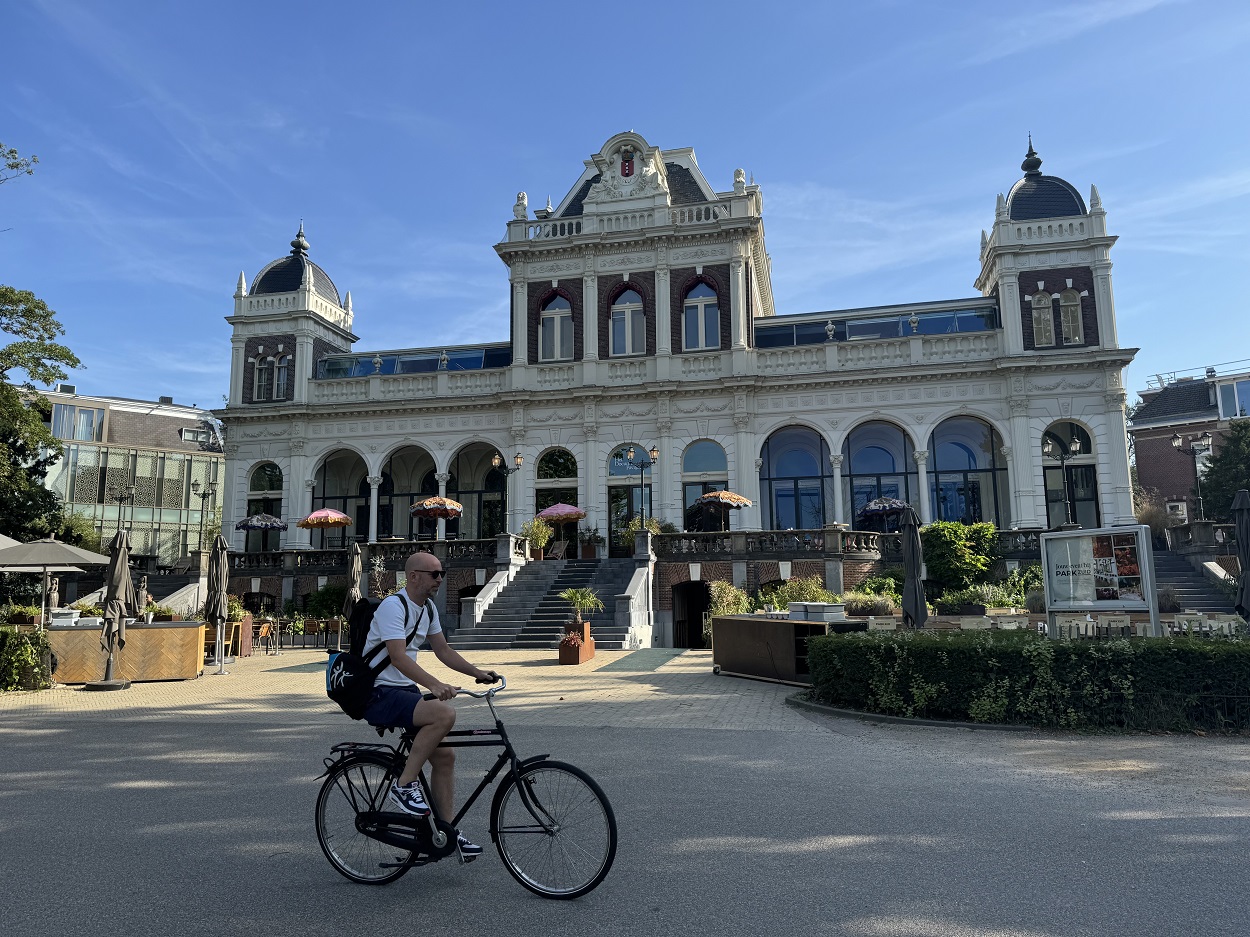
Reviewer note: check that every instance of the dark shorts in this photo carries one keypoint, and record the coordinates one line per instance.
(392, 706)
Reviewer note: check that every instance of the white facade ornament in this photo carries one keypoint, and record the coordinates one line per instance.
(442, 477)
(521, 210)
(921, 456)
(835, 460)
(374, 480)
(740, 182)
(1006, 451)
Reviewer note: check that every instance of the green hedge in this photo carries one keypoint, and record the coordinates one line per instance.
(25, 660)
(1019, 677)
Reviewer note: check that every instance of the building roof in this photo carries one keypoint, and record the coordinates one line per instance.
(683, 188)
(285, 274)
(1176, 402)
(1038, 196)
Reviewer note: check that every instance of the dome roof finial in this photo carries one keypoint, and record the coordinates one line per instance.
(300, 245)
(1032, 164)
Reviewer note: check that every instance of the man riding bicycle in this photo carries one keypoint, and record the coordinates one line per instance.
(397, 696)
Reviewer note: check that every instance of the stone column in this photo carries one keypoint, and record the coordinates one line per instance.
(302, 368)
(590, 471)
(737, 302)
(839, 510)
(590, 311)
(1007, 452)
(520, 314)
(1115, 444)
(301, 538)
(663, 313)
(664, 475)
(1027, 482)
(747, 468)
(442, 478)
(922, 474)
(374, 481)
(237, 365)
(1104, 305)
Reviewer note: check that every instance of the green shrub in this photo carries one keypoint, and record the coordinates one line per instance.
(326, 602)
(1035, 601)
(863, 604)
(538, 532)
(957, 555)
(1024, 579)
(1019, 677)
(727, 599)
(810, 589)
(989, 594)
(11, 613)
(87, 610)
(1169, 600)
(25, 660)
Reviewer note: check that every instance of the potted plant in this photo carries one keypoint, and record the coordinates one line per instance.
(539, 533)
(163, 613)
(590, 539)
(581, 599)
(24, 615)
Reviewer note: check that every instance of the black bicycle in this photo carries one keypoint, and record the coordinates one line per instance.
(553, 826)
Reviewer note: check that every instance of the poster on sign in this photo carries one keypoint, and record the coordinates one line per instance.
(1103, 570)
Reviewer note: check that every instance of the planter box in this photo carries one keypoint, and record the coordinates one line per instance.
(590, 551)
(577, 655)
(26, 620)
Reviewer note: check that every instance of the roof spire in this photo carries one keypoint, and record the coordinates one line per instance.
(241, 290)
(300, 245)
(1032, 164)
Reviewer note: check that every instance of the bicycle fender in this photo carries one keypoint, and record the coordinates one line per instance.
(522, 764)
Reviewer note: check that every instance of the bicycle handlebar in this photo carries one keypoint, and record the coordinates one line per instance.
(476, 694)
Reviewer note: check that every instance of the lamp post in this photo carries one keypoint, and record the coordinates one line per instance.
(204, 494)
(1054, 448)
(1198, 445)
(642, 465)
(121, 496)
(496, 462)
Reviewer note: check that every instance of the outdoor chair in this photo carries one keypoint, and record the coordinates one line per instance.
(313, 628)
(264, 636)
(556, 552)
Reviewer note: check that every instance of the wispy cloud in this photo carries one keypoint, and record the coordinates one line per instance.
(998, 38)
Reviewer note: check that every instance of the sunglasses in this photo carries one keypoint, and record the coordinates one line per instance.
(436, 573)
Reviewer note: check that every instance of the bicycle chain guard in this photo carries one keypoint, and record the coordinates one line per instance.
(407, 832)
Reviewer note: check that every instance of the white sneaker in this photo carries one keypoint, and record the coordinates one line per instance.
(469, 850)
(409, 799)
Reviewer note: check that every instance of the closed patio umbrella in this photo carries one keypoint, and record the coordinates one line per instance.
(915, 610)
(119, 604)
(1241, 522)
(355, 566)
(215, 607)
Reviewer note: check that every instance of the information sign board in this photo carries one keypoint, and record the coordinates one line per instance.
(1107, 569)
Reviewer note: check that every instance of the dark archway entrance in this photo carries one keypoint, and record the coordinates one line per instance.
(690, 603)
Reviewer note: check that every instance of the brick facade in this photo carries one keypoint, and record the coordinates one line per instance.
(153, 431)
(612, 286)
(538, 294)
(683, 279)
(252, 350)
(1056, 281)
(1162, 469)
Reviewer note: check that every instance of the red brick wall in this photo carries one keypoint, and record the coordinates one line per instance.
(612, 286)
(681, 280)
(251, 350)
(1056, 282)
(1161, 468)
(537, 295)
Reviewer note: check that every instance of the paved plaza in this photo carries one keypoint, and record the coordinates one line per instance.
(186, 808)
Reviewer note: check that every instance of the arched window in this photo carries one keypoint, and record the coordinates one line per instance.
(967, 475)
(1070, 317)
(700, 324)
(628, 325)
(264, 496)
(795, 480)
(267, 477)
(1071, 473)
(555, 331)
(877, 462)
(557, 479)
(263, 388)
(704, 468)
(280, 377)
(1043, 320)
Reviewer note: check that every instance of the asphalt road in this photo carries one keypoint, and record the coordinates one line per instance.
(203, 825)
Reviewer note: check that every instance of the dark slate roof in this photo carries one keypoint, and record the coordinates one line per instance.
(575, 207)
(1038, 196)
(285, 274)
(682, 188)
(1178, 401)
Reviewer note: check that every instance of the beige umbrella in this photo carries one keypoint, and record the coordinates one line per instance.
(355, 566)
(119, 604)
(42, 555)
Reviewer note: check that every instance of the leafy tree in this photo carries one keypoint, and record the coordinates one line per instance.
(1227, 471)
(957, 555)
(15, 164)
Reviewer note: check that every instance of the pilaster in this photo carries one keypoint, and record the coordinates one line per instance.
(839, 510)
(921, 457)
(374, 481)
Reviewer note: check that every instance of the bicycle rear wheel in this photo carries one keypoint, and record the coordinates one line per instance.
(356, 784)
(558, 839)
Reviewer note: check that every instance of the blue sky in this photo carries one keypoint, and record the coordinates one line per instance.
(180, 144)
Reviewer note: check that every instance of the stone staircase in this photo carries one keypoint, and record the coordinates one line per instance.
(1196, 594)
(529, 612)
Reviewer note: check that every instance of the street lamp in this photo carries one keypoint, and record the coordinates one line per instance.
(496, 462)
(121, 496)
(1198, 445)
(203, 494)
(642, 465)
(1055, 449)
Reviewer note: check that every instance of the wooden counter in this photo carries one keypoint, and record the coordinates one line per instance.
(162, 650)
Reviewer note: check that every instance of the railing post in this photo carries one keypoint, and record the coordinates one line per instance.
(833, 560)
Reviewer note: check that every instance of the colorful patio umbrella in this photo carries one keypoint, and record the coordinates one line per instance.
(324, 519)
(884, 506)
(728, 499)
(560, 513)
(261, 522)
(436, 507)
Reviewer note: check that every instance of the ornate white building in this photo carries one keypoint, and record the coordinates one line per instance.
(642, 315)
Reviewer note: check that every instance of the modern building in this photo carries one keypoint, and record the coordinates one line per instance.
(138, 464)
(642, 317)
(1179, 426)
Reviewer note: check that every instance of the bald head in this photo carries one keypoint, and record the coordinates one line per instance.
(424, 561)
(424, 574)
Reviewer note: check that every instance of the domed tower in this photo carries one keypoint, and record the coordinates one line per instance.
(290, 317)
(1047, 259)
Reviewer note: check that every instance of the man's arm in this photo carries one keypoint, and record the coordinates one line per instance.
(450, 657)
(398, 649)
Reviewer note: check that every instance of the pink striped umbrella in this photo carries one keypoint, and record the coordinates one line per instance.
(559, 513)
(325, 518)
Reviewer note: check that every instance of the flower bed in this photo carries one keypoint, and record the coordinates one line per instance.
(1019, 677)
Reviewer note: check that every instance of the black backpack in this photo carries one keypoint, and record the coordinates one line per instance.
(350, 674)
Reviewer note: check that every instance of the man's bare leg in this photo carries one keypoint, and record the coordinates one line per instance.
(434, 720)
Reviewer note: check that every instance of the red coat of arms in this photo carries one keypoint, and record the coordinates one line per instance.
(627, 163)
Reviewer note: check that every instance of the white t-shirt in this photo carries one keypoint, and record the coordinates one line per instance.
(388, 624)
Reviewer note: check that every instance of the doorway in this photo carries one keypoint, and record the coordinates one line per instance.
(691, 601)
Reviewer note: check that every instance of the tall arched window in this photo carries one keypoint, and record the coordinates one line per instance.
(263, 388)
(555, 331)
(1043, 320)
(1070, 317)
(795, 480)
(628, 325)
(1071, 482)
(264, 496)
(704, 468)
(877, 462)
(700, 324)
(281, 376)
(967, 475)
(629, 493)
(556, 481)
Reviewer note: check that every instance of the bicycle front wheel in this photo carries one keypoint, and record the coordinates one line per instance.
(356, 784)
(554, 829)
